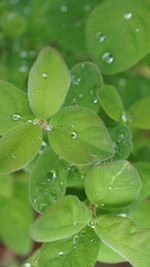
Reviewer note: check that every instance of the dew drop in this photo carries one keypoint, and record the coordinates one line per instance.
(35, 121)
(95, 100)
(61, 254)
(124, 117)
(74, 135)
(23, 68)
(127, 15)
(75, 223)
(80, 95)
(75, 80)
(92, 241)
(107, 58)
(27, 264)
(100, 37)
(16, 117)
(64, 9)
(137, 30)
(102, 205)
(75, 239)
(110, 187)
(92, 224)
(48, 128)
(51, 176)
(44, 75)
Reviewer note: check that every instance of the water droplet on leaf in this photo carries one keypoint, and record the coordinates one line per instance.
(61, 254)
(75, 239)
(107, 58)
(127, 15)
(51, 176)
(16, 117)
(44, 75)
(100, 37)
(74, 135)
(64, 8)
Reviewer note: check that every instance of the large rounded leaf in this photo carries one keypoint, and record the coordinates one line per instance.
(18, 147)
(14, 107)
(63, 219)
(81, 250)
(48, 180)
(79, 136)
(118, 34)
(130, 240)
(49, 81)
(86, 81)
(113, 185)
(108, 255)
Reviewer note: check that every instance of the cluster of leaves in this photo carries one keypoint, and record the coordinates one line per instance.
(79, 138)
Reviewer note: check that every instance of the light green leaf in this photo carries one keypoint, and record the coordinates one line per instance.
(18, 147)
(113, 185)
(14, 226)
(79, 136)
(108, 255)
(48, 180)
(14, 107)
(140, 113)
(61, 220)
(6, 186)
(130, 240)
(122, 140)
(118, 34)
(111, 102)
(81, 250)
(144, 171)
(86, 80)
(49, 81)
(141, 215)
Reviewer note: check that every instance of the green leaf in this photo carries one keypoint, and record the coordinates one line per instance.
(14, 107)
(130, 240)
(144, 171)
(18, 147)
(140, 113)
(111, 102)
(48, 180)
(81, 251)
(79, 136)
(6, 186)
(141, 215)
(122, 140)
(14, 226)
(118, 34)
(113, 185)
(61, 220)
(75, 177)
(108, 255)
(49, 81)
(86, 80)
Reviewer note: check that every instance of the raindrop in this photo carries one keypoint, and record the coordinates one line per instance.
(75, 239)
(74, 135)
(16, 117)
(92, 241)
(27, 264)
(23, 68)
(107, 58)
(100, 37)
(61, 254)
(44, 75)
(64, 9)
(35, 121)
(137, 30)
(72, 125)
(95, 100)
(48, 128)
(75, 80)
(110, 187)
(23, 54)
(102, 205)
(123, 136)
(124, 117)
(51, 176)
(127, 15)
(92, 224)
